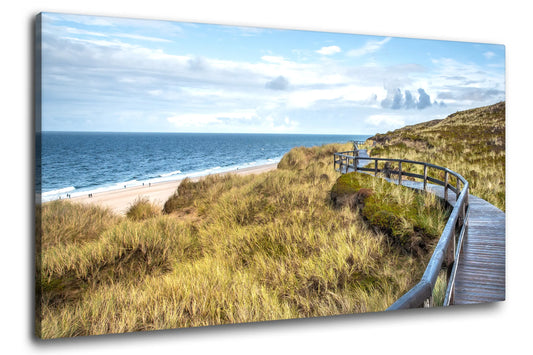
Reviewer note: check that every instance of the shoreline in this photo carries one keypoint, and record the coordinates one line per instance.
(158, 193)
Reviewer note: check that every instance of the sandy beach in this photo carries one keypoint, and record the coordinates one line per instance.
(120, 200)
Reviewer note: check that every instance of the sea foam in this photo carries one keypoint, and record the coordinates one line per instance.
(58, 191)
(171, 173)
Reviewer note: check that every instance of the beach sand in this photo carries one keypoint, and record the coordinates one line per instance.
(120, 200)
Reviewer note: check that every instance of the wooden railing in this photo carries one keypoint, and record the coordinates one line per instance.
(356, 144)
(448, 249)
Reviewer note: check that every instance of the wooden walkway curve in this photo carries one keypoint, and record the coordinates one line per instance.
(480, 274)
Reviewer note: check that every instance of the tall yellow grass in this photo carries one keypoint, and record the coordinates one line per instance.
(471, 143)
(228, 249)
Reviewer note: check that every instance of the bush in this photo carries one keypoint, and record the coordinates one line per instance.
(142, 209)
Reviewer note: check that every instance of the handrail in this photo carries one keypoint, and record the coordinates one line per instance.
(447, 251)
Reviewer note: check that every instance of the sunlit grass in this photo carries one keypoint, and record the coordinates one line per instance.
(471, 143)
(227, 249)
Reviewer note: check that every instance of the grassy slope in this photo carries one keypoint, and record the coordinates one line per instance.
(228, 249)
(470, 142)
(411, 220)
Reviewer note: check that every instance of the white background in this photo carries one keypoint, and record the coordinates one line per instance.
(495, 328)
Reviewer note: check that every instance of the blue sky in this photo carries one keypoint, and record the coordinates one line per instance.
(116, 74)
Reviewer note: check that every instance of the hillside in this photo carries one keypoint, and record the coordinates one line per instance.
(233, 249)
(470, 142)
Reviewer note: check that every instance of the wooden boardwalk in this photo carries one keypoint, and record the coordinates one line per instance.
(480, 274)
(481, 269)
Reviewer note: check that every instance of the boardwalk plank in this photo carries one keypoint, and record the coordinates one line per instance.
(481, 267)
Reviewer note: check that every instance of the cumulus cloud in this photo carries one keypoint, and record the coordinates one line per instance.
(410, 101)
(329, 50)
(396, 100)
(423, 100)
(279, 83)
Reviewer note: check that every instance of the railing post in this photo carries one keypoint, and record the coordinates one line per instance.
(450, 256)
(400, 173)
(446, 185)
(376, 167)
(458, 185)
(343, 164)
(425, 177)
(355, 163)
(346, 165)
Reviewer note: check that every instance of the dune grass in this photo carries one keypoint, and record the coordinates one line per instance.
(471, 143)
(413, 220)
(227, 249)
(142, 209)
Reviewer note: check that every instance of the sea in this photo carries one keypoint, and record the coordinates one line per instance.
(79, 163)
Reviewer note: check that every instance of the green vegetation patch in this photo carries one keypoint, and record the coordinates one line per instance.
(412, 220)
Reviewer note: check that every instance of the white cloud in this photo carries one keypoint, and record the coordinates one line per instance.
(381, 120)
(352, 93)
(329, 50)
(198, 92)
(273, 59)
(203, 120)
(277, 124)
(466, 84)
(193, 120)
(368, 48)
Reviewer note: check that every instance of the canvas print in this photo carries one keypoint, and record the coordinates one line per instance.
(192, 174)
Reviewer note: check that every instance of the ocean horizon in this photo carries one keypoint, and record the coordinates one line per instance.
(79, 163)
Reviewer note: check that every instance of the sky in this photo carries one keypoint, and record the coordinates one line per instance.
(129, 75)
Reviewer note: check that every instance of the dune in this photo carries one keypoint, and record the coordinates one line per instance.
(120, 200)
